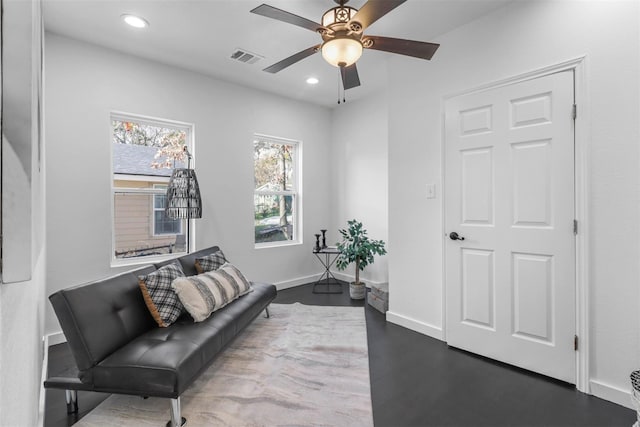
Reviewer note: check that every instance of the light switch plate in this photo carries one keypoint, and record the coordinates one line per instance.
(431, 191)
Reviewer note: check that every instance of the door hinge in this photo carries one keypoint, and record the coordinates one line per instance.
(574, 111)
(575, 343)
(575, 227)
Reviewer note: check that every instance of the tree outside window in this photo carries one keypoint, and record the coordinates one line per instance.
(275, 190)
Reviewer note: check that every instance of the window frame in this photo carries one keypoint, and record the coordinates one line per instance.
(295, 192)
(162, 187)
(189, 129)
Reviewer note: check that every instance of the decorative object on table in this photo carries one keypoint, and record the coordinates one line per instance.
(183, 195)
(324, 239)
(378, 298)
(316, 248)
(356, 247)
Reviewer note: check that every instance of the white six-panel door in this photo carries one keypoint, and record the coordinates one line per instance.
(509, 192)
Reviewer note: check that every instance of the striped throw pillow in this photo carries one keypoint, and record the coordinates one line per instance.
(205, 293)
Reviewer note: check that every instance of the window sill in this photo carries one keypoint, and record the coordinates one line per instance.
(280, 244)
(142, 261)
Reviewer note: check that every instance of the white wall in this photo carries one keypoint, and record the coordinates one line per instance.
(359, 174)
(22, 302)
(513, 40)
(84, 83)
(21, 330)
(21, 310)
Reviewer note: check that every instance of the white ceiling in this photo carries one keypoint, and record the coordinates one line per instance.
(200, 35)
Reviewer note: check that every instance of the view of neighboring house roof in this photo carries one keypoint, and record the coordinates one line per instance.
(130, 159)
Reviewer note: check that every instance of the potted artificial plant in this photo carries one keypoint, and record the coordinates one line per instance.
(356, 247)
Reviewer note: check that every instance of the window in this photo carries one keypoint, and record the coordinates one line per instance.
(145, 152)
(276, 191)
(162, 224)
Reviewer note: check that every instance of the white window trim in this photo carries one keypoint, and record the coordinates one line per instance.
(189, 128)
(163, 189)
(296, 208)
(125, 177)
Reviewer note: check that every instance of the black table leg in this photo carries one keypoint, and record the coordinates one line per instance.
(327, 279)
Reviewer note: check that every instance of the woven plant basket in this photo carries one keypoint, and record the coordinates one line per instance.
(357, 291)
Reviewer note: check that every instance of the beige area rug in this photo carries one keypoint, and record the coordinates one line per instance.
(305, 366)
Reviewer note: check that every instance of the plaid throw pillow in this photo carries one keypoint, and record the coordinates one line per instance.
(635, 382)
(208, 292)
(210, 262)
(162, 301)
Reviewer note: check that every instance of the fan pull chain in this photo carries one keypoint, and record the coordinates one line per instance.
(344, 93)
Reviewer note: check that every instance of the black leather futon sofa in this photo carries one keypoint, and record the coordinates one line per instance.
(119, 348)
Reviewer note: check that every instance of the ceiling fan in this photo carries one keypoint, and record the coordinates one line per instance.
(343, 39)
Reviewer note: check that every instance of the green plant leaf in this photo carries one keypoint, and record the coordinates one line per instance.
(356, 247)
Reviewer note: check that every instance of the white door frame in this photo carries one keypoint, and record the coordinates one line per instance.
(581, 200)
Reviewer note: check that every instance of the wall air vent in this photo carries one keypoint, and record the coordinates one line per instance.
(245, 56)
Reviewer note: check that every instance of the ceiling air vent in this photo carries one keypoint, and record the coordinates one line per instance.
(246, 56)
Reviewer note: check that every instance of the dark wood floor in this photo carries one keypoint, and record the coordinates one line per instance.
(420, 381)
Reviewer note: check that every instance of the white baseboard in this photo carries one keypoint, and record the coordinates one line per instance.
(415, 325)
(612, 393)
(344, 277)
(349, 278)
(43, 377)
(55, 338)
(286, 284)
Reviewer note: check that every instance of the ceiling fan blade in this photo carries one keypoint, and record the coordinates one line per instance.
(284, 16)
(374, 10)
(350, 78)
(278, 66)
(423, 50)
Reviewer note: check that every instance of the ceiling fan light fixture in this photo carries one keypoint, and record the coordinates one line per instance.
(341, 52)
(343, 40)
(338, 15)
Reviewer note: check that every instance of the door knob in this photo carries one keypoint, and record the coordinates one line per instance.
(454, 236)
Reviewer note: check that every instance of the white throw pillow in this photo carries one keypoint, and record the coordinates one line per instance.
(205, 293)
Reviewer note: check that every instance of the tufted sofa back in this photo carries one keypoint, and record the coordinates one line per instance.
(99, 317)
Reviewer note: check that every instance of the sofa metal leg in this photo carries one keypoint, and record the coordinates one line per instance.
(266, 312)
(176, 419)
(71, 396)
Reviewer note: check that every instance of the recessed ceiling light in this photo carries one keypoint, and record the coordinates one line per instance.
(312, 81)
(135, 21)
